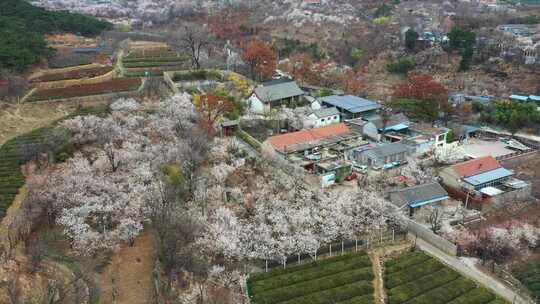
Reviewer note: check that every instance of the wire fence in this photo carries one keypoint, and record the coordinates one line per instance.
(337, 248)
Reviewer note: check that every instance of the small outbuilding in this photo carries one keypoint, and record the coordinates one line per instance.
(415, 197)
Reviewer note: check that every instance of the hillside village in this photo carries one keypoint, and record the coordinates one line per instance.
(269, 152)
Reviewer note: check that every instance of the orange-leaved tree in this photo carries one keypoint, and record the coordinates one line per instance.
(260, 58)
(423, 95)
(212, 107)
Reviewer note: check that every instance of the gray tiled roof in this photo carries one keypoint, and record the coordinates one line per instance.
(278, 91)
(421, 193)
(349, 103)
(388, 149)
(325, 112)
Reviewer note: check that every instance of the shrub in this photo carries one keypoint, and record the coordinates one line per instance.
(402, 66)
(412, 289)
(309, 287)
(310, 274)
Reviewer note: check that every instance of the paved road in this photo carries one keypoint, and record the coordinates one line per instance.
(473, 273)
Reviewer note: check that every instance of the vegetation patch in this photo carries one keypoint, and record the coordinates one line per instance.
(22, 26)
(418, 278)
(344, 279)
(195, 75)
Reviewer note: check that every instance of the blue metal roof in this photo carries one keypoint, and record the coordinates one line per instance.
(519, 97)
(489, 176)
(349, 103)
(534, 97)
(434, 200)
(398, 127)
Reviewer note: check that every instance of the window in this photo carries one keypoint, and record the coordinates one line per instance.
(322, 119)
(335, 117)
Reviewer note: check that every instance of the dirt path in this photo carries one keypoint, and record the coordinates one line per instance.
(376, 256)
(128, 279)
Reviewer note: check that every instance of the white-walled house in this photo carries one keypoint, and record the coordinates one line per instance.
(275, 94)
(324, 117)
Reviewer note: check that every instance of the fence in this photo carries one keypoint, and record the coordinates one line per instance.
(339, 248)
(427, 235)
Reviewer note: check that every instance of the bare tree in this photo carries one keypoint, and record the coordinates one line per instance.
(194, 40)
(435, 219)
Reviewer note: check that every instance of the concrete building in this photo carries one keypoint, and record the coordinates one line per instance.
(276, 93)
(351, 106)
(415, 197)
(324, 117)
(384, 156)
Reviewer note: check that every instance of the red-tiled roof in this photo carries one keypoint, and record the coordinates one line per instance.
(476, 166)
(279, 142)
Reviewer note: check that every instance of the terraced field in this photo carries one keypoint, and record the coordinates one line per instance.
(18, 150)
(416, 278)
(152, 62)
(346, 279)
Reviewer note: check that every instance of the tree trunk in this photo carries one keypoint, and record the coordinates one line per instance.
(342, 247)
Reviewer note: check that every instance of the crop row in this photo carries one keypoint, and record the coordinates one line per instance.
(476, 296)
(277, 272)
(407, 291)
(106, 87)
(445, 293)
(365, 299)
(158, 63)
(308, 287)
(337, 294)
(151, 71)
(73, 74)
(310, 274)
(151, 53)
(417, 271)
(405, 261)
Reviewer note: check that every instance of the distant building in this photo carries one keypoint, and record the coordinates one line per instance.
(351, 106)
(273, 94)
(425, 138)
(413, 198)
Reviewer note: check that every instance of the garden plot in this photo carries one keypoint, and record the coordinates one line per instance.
(84, 72)
(346, 279)
(416, 278)
(151, 62)
(82, 90)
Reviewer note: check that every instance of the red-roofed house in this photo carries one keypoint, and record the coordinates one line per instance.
(476, 166)
(475, 175)
(288, 142)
